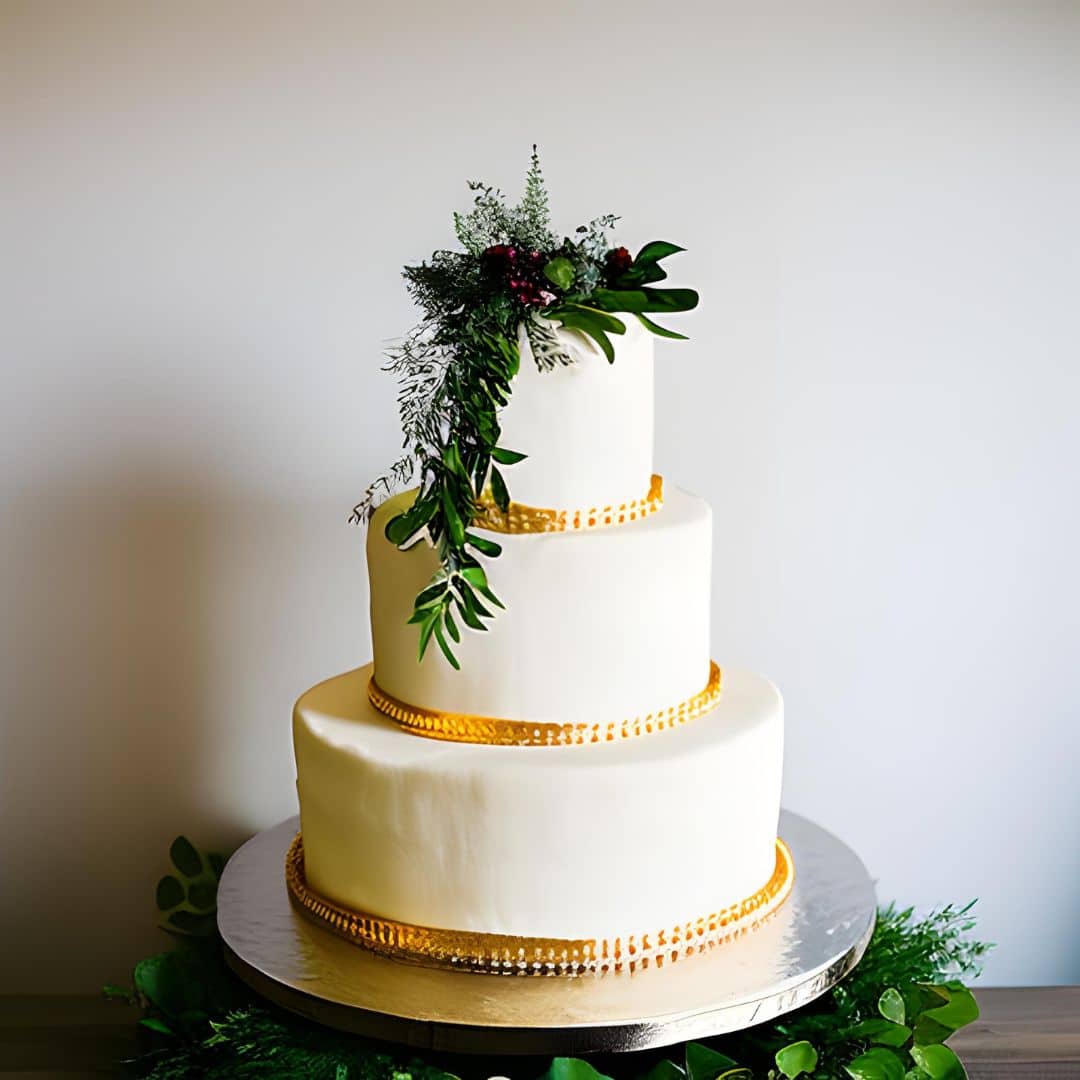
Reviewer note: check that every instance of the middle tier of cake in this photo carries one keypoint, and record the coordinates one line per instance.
(601, 626)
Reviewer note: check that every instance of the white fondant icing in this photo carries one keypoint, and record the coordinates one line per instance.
(604, 624)
(587, 427)
(614, 838)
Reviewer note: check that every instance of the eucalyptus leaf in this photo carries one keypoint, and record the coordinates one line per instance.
(185, 858)
(796, 1059)
(876, 1064)
(938, 1062)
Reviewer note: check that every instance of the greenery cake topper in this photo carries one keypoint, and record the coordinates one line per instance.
(515, 276)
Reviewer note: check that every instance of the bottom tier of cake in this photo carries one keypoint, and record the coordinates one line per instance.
(623, 841)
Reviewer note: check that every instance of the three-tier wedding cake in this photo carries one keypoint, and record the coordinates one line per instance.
(560, 778)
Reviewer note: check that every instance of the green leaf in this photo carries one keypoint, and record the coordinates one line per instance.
(796, 1059)
(499, 492)
(586, 325)
(426, 628)
(203, 895)
(431, 595)
(704, 1063)
(664, 1070)
(571, 1069)
(891, 1005)
(660, 331)
(506, 457)
(169, 893)
(185, 858)
(466, 605)
(656, 250)
(876, 1064)
(404, 526)
(593, 314)
(487, 594)
(451, 626)
(671, 299)
(451, 659)
(960, 1010)
(938, 1062)
(883, 1032)
(452, 460)
(560, 272)
(121, 993)
(484, 546)
(474, 575)
(154, 1024)
(455, 527)
(217, 864)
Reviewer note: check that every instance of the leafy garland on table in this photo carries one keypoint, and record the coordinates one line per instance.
(887, 1020)
(456, 367)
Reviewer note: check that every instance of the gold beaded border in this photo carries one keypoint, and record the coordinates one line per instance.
(493, 731)
(506, 954)
(533, 519)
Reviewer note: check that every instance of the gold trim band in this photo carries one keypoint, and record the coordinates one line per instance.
(506, 954)
(463, 727)
(533, 519)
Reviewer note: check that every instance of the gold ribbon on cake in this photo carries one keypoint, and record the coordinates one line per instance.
(494, 731)
(518, 518)
(510, 954)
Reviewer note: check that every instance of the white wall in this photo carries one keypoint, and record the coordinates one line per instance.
(205, 209)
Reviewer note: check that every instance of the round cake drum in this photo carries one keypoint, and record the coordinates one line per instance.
(815, 939)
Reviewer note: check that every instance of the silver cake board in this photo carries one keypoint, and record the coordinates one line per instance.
(806, 947)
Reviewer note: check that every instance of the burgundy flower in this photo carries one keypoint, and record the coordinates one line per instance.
(499, 258)
(619, 260)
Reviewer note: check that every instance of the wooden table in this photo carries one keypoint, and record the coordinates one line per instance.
(1023, 1034)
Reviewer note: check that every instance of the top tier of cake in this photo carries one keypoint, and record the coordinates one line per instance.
(587, 428)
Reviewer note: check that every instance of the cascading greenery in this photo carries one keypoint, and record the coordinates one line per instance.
(888, 1020)
(514, 276)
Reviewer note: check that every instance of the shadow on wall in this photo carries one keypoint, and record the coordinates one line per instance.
(152, 663)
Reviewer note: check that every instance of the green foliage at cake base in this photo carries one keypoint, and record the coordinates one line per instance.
(888, 1020)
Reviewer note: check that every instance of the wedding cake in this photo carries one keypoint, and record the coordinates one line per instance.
(543, 769)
